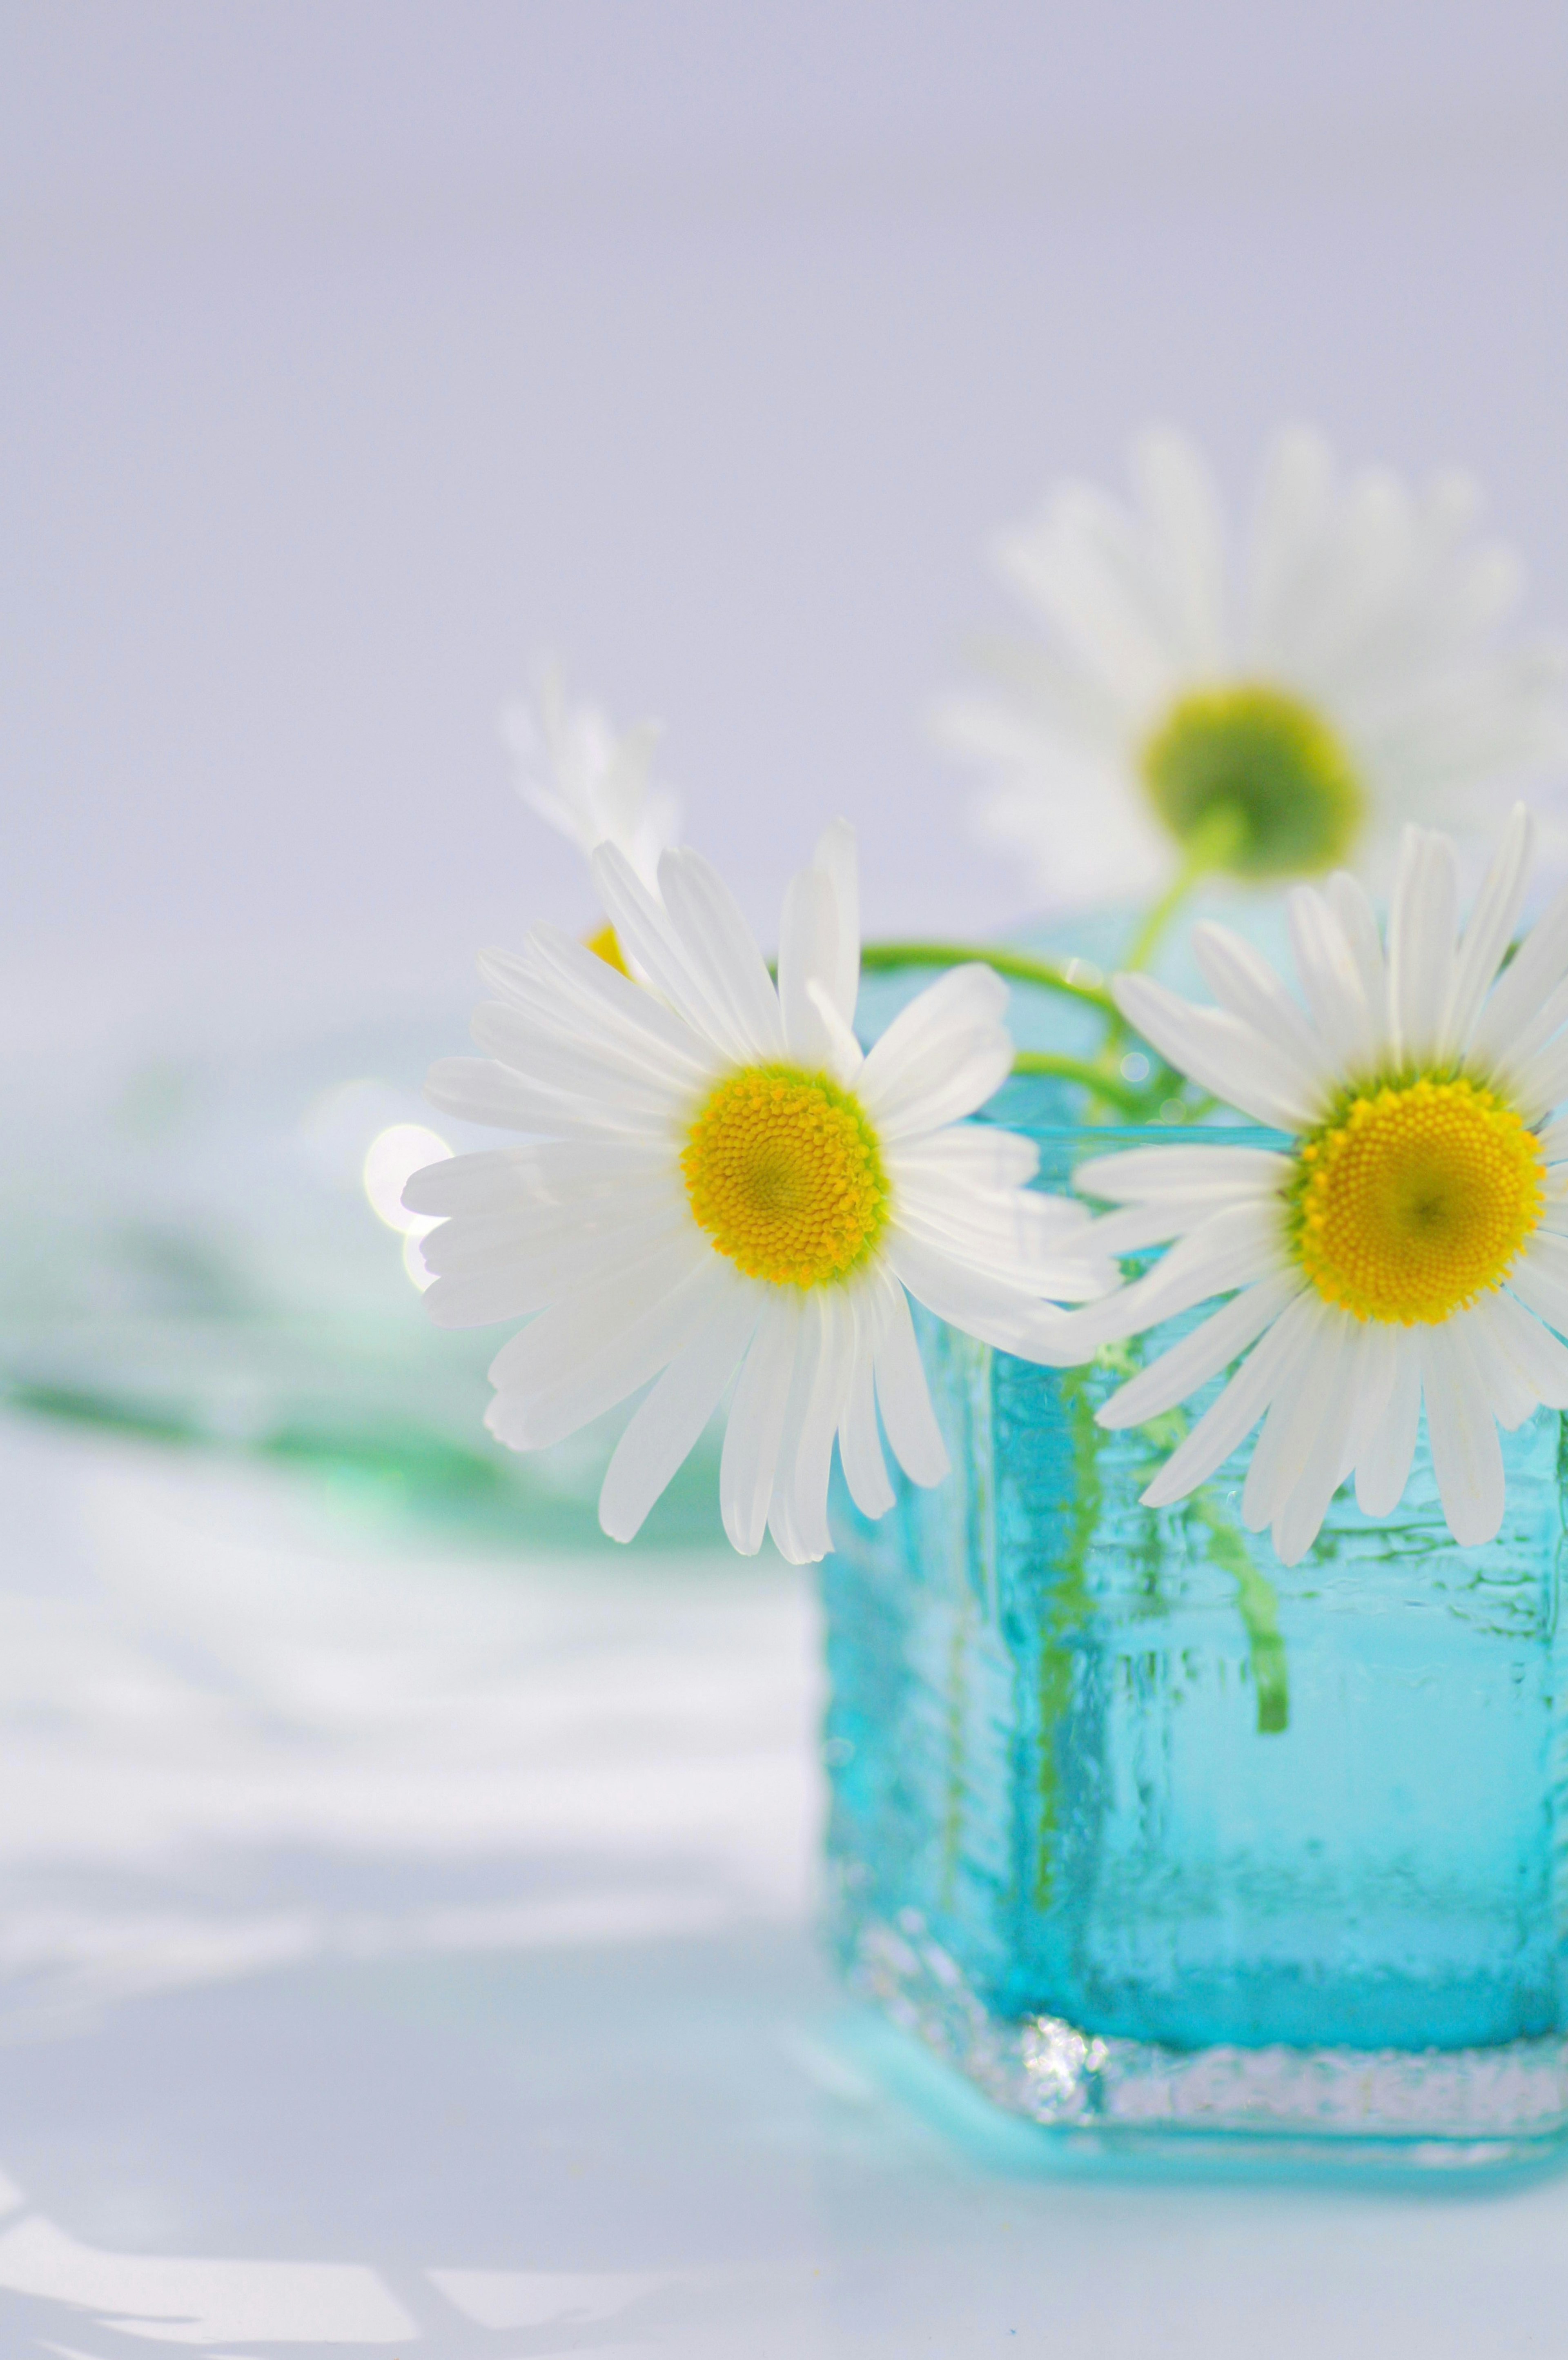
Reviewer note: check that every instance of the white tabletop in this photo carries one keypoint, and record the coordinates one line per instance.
(409, 1946)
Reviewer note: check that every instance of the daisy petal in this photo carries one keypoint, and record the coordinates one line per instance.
(1155, 1171)
(837, 859)
(1297, 1415)
(831, 1391)
(1298, 1518)
(1422, 922)
(1227, 1421)
(1211, 1347)
(755, 1430)
(664, 1429)
(808, 953)
(1236, 1244)
(1536, 969)
(601, 1377)
(1242, 981)
(1222, 1053)
(1489, 932)
(966, 1001)
(718, 943)
(860, 1444)
(1384, 1468)
(1333, 979)
(903, 1394)
(1538, 1355)
(1468, 1458)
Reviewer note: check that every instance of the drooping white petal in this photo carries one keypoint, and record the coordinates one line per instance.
(1467, 1459)
(594, 1324)
(1189, 1365)
(594, 1365)
(1299, 1515)
(999, 1311)
(664, 1429)
(793, 1544)
(1383, 1470)
(1229, 1419)
(902, 1396)
(860, 1443)
(1297, 1414)
(829, 1392)
(755, 1427)
(1236, 1244)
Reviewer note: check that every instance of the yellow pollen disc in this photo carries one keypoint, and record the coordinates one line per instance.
(783, 1172)
(1415, 1199)
(605, 944)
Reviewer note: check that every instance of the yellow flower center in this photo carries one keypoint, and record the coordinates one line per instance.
(1258, 776)
(605, 944)
(784, 1172)
(1415, 1199)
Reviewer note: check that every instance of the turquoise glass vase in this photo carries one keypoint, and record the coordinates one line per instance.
(1156, 1839)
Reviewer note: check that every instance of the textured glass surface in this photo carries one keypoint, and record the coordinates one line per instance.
(1116, 1775)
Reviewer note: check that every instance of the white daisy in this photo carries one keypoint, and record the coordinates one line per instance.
(721, 1188)
(1411, 1243)
(1272, 718)
(589, 782)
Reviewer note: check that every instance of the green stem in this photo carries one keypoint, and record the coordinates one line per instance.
(878, 957)
(1129, 1099)
(1259, 1610)
(1211, 846)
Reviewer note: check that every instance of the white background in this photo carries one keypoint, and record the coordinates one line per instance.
(357, 352)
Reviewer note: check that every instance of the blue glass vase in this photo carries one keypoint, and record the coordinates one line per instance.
(1155, 1838)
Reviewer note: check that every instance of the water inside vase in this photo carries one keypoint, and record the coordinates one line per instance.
(1133, 1772)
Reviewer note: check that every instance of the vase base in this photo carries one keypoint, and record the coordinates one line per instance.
(1454, 2109)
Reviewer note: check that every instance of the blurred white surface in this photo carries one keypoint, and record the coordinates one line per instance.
(406, 1949)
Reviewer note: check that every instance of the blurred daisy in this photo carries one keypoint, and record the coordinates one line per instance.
(591, 784)
(722, 1188)
(1280, 717)
(1410, 1246)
